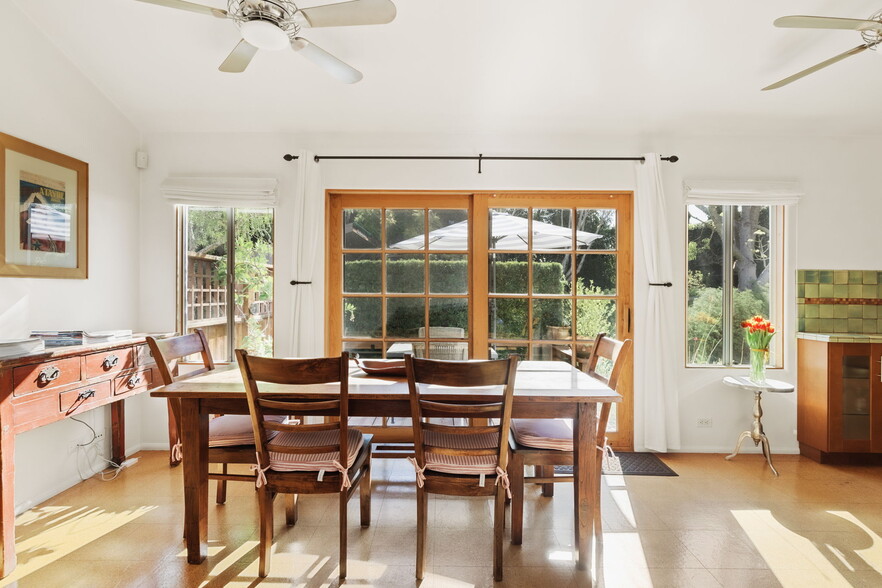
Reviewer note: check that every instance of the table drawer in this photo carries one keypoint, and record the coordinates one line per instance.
(140, 380)
(83, 398)
(109, 362)
(28, 379)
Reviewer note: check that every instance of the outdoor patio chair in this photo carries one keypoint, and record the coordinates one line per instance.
(230, 438)
(305, 459)
(466, 460)
(544, 443)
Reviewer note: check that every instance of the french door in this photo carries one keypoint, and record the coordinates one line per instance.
(481, 275)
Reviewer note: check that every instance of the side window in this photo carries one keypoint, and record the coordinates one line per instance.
(734, 272)
(226, 288)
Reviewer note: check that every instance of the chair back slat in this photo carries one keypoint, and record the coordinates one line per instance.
(452, 430)
(441, 409)
(471, 439)
(295, 372)
(300, 407)
(169, 352)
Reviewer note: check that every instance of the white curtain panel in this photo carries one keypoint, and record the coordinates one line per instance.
(307, 325)
(654, 364)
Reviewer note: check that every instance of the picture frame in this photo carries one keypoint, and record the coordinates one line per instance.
(44, 212)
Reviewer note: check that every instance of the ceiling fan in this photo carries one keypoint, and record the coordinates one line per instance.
(870, 29)
(275, 24)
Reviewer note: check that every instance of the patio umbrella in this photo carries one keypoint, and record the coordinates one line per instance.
(509, 232)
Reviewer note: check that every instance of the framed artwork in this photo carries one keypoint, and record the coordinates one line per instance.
(44, 209)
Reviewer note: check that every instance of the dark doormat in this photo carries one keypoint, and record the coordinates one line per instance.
(633, 464)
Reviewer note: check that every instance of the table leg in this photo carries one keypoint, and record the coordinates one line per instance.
(194, 430)
(584, 480)
(744, 435)
(7, 489)
(767, 451)
(118, 431)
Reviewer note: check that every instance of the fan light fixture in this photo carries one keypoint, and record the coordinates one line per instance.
(264, 35)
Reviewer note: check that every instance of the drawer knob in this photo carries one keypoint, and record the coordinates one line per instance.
(48, 374)
(85, 394)
(134, 381)
(110, 361)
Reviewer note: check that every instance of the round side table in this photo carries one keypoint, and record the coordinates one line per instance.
(756, 433)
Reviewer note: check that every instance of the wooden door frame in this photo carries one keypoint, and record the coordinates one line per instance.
(477, 202)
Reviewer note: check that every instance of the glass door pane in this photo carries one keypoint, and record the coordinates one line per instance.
(233, 307)
(205, 292)
(252, 282)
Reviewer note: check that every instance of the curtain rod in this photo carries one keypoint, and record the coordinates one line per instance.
(479, 158)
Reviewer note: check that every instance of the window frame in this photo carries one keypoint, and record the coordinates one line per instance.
(778, 262)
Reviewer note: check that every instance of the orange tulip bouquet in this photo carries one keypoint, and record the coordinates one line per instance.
(758, 332)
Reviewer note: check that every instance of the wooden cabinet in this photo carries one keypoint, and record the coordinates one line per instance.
(51, 385)
(839, 406)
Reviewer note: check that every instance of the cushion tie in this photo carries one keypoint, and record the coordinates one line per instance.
(259, 476)
(344, 473)
(420, 476)
(177, 451)
(502, 476)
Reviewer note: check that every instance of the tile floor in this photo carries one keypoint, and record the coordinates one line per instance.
(718, 524)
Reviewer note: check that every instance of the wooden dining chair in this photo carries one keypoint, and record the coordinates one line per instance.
(464, 460)
(545, 443)
(230, 437)
(304, 458)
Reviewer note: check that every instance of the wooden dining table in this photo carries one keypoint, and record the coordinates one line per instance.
(542, 390)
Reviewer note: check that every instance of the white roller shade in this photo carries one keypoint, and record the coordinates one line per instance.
(740, 192)
(220, 191)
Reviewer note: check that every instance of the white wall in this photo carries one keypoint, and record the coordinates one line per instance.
(46, 101)
(839, 208)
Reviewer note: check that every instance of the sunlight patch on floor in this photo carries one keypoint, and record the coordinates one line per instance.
(873, 554)
(624, 562)
(788, 554)
(67, 530)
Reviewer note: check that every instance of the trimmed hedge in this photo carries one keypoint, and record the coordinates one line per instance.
(361, 318)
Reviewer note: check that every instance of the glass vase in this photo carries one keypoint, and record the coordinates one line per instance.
(758, 365)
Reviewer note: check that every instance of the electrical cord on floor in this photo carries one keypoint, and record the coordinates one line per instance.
(83, 449)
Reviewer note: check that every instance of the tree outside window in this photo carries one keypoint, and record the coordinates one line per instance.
(732, 262)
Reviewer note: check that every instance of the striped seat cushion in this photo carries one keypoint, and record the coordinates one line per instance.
(313, 462)
(235, 429)
(544, 433)
(461, 464)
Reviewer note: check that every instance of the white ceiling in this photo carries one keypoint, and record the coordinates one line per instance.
(486, 66)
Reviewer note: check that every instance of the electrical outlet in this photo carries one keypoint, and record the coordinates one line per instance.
(705, 422)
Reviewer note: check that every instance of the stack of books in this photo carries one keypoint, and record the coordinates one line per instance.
(65, 338)
(59, 338)
(12, 347)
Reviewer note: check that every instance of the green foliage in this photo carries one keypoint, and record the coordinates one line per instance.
(704, 319)
(594, 316)
(252, 274)
(361, 314)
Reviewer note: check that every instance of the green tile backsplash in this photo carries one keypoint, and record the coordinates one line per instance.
(839, 301)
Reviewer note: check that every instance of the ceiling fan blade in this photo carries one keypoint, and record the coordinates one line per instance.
(815, 68)
(354, 12)
(239, 57)
(827, 22)
(342, 71)
(181, 5)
